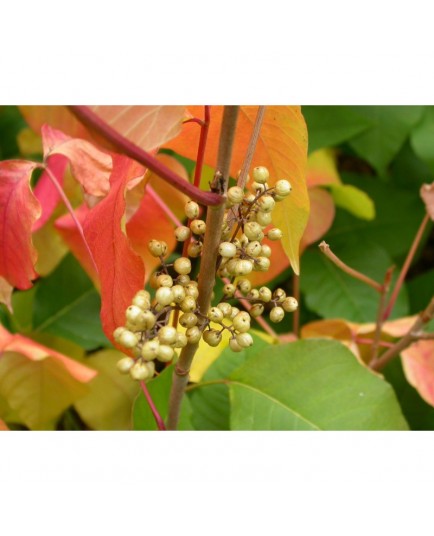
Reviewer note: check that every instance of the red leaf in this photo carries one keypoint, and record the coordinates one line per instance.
(45, 191)
(36, 352)
(90, 166)
(19, 209)
(418, 364)
(121, 271)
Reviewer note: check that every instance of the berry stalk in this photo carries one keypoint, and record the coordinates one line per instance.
(206, 281)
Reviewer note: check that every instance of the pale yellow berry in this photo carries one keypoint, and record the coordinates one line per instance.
(249, 199)
(265, 294)
(282, 188)
(263, 218)
(256, 310)
(158, 248)
(188, 304)
(164, 296)
(191, 210)
(243, 267)
(178, 293)
(241, 322)
(266, 251)
(215, 314)
(194, 249)
(229, 290)
(198, 227)
(193, 335)
(164, 280)
(253, 294)
(165, 353)
(182, 233)
(279, 295)
(254, 249)
(262, 264)
(266, 203)
(167, 335)
(140, 371)
(225, 308)
(244, 340)
(227, 249)
(182, 265)
(124, 364)
(253, 230)
(133, 315)
(234, 346)
(183, 280)
(234, 312)
(188, 320)
(141, 301)
(118, 332)
(192, 290)
(150, 350)
(235, 195)
(181, 340)
(274, 234)
(128, 339)
(277, 314)
(147, 320)
(260, 174)
(290, 304)
(259, 187)
(212, 337)
(231, 266)
(244, 285)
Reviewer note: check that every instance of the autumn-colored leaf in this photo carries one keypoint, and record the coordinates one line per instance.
(322, 169)
(418, 364)
(121, 271)
(282, 148)
(427, 194)
(45, 191)
(90, 166)
(3, 426)
(19, 209)
(322, 214)
(146, 126)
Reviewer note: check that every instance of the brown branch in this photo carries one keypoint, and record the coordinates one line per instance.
(214, 221)
(325, 248)
(413, 334)
(86, 116)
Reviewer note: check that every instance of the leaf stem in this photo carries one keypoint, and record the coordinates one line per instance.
(158, 419)
(380, 320)
(413, 334)
(86, 116)
(207, 272)
(405, 267)
(325, 248)
(71, 211)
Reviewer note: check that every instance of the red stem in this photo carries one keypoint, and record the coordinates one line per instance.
(158, 420)
(86, 116)
(71, 211)
(405, 267)
(202, 146)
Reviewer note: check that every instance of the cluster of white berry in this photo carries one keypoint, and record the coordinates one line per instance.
(147, 333)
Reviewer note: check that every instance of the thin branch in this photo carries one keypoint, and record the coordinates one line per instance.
(158, 419)
(380, 312)
(325, 248)
(413, 334)
(405, 267)
(71, 211)
(86, 116)
(242, 179)
(207, 272)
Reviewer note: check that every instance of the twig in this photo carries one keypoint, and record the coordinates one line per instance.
(86, 116)
(206, 280)
(158, 419)
(71, 211)
(325, 248)
(380, 320)
(413, 334)
(405, 267)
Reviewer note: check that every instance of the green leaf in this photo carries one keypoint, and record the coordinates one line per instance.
(332, 125)
(22, 305)
(159, 389)
(419, 414)
(354, 200)
(311, 385)
(399, 213)
(422, 138)
(38, 391)
(66, 304)
(331, 293)
(11, 122)
(109, 402)
(210, 403)
(391, 127)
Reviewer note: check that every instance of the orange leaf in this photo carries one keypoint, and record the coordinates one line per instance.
(322, 213)
(90, 166)
(146, 126)
(282, 148)
(19, 209)
(121, 271)
(36, 352)
(418, 364)
(427, 194)
(3, 426)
